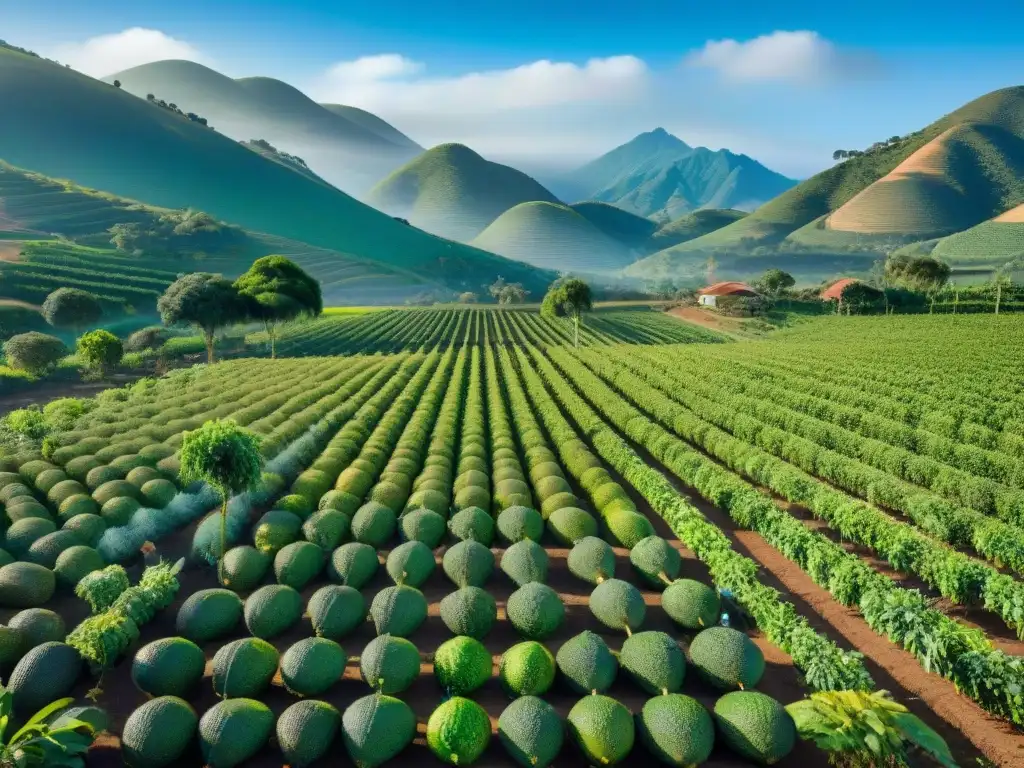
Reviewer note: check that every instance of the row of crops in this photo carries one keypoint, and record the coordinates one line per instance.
(399, 330)
(479, 546)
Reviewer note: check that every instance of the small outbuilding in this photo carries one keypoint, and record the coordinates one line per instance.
(835, 291)
(709, 296)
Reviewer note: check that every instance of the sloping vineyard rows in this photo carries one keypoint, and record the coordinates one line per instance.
(397, 330)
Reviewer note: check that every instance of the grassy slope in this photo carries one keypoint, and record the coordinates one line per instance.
(628, 228)
(453, 191)
(373, 123)
(255, 102)
(694, 225)
(72, 126)
(989, 244)
(830, 189)
(35, 205)
(553, 236)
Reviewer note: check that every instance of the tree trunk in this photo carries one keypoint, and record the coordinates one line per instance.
(271, 329)
(999, 295)
(576, 329)
(956, 301)
(223, 536)
(208, 338)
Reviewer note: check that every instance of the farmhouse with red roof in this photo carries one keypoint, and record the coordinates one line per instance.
(709, 296)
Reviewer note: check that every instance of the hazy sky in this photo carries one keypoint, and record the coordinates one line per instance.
(539, 81)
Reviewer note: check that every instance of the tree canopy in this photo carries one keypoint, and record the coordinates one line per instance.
(33, 352)
(277, 290)
(568, 298)
(71, 308)
(100, 350)
(775, 281)
(225, 456)
(209, 302)
(507, 293)
(919, 273)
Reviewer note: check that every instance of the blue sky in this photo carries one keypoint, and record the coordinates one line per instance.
(783, 82)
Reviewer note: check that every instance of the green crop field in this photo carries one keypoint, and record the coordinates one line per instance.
(474, 540)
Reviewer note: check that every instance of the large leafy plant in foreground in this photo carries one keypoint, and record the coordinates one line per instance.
(866, 730)
(37, 743)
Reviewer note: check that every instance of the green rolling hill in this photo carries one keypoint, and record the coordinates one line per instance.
(990, 244)
(958, 171)
(347, 146)
(129, 270)
(693, 225)
(452, 191)
(554, 236)
(629, 229)
(72, 126)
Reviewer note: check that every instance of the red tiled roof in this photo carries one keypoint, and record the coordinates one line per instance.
(726, 288)
(835, 291)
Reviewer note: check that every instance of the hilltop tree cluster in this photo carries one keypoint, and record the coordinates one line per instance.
(185, 232)
(172, 107)
(843, 154)
(266, 146)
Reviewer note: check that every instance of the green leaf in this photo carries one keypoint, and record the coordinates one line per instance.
(914, 730)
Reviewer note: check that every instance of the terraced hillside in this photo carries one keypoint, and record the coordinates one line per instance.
(71, 126)
(992, 243)
(348, 146)
(452, 191)
(986, 152)
(34, 208)
(553, 236)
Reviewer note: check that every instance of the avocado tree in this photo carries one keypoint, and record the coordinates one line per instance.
(228, 458)
(568, 298)
(209, 302)
(71, 308)
(100, 350)
(277, 290)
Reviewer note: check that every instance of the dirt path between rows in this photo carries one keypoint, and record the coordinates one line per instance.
(966, 727)
(706, 319)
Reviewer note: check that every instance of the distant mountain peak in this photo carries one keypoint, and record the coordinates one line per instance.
(659, 139)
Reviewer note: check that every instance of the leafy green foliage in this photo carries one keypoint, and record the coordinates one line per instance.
(568, 298)
(278, 290)
(71, 308)
(38, 743)
(209, 302)
(860, 729)
(100, 350)
(34, 352)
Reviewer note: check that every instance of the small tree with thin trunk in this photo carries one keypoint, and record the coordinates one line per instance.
(209, 302)
(277, 290)
(228, 458)
(568, 298)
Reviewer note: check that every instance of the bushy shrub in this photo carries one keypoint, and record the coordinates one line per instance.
(100, 350)
(33, 352)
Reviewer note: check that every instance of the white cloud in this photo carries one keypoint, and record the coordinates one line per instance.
(395, 85)
(799, 56)
(107, 54)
